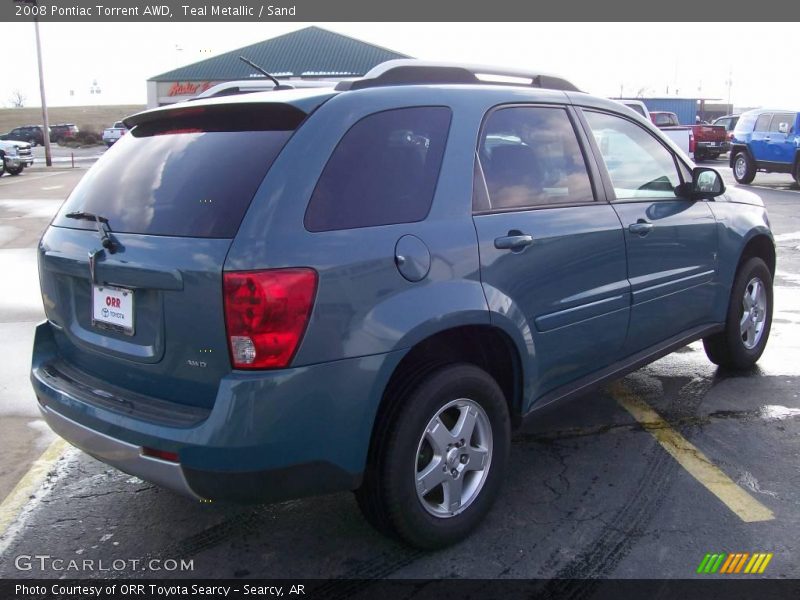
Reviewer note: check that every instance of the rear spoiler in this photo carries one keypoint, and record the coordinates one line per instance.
(239, 116)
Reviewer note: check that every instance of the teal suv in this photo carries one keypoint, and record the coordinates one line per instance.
(768, 141)
(270, 295)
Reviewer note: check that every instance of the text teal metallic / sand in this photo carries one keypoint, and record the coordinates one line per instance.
(270, 295)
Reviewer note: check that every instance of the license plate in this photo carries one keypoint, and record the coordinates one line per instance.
(112, 308)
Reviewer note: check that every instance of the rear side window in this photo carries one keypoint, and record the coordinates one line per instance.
(762, 123)
(531, 157)
(745, 124)
(383, 171)
(191, 173)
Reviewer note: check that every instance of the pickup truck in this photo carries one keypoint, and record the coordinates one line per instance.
(113, 133)
(682, 136)
(15, 155)
(709, 140)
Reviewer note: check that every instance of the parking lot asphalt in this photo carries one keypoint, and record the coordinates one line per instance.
(592, 490)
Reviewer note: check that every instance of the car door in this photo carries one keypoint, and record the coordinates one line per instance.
(760, 138)
(780, 145)
(551, 248)
(671, 241)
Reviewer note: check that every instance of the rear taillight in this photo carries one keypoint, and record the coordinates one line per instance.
(691, 141)
(266, 313)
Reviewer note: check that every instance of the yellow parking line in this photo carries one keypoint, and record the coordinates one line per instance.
(690, 458)
(30, 482)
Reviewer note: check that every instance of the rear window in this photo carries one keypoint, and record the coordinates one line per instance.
(636, 108)
(383, 171)
(191, 174)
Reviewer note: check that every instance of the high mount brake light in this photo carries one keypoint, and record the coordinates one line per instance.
(266, 314)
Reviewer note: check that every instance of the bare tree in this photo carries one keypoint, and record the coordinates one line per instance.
(17, 99)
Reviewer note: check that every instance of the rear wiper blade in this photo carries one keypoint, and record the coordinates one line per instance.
(86, 216)
(102, 227)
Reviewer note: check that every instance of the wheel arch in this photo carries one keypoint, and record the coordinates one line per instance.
(762, 246)
(485, 346)
(735, 149)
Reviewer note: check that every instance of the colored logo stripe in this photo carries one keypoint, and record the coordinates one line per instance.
(735, 563)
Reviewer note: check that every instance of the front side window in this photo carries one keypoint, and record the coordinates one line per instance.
(383, 171)
(640, 167)
(779, 118)
(531, 157)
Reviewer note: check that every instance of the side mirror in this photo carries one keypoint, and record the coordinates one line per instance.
(783, 127)
(706, 183)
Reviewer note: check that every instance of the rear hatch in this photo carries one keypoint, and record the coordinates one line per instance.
(131, 267)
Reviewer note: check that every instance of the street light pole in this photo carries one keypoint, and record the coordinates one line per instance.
(48, 157)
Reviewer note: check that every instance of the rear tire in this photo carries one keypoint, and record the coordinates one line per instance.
(749, 319)
(698, 156)
(455, 418)
(744, 169)
(797, 172)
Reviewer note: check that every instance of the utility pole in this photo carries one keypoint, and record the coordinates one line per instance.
(729, 83)
(48, 157)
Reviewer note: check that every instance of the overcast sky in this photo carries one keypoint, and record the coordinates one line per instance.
(655, 59)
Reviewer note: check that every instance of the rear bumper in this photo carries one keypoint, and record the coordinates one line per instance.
(270, 436)
(720, 147)
(125, 457)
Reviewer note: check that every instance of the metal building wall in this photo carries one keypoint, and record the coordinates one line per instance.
(685, 108)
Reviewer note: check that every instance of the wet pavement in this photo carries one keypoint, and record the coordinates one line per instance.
(590, 492)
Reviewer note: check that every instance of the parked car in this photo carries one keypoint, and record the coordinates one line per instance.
(63, 132)
(768, 141)
(682, 135)
(729, 123)
(709, 140)
(33, 134)
(112, 134)
(14, 156)
(365, 288)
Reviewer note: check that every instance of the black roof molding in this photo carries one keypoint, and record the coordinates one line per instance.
(422, 72)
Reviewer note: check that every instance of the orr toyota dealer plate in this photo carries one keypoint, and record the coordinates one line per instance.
(112, 308)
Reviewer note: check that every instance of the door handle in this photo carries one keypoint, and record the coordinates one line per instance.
(516, 241)
(640, 227)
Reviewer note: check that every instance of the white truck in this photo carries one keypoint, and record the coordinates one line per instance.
(15, 155)
(683, 136)
(113, 133)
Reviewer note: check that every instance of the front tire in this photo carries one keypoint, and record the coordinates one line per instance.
(797, 172)
(438, 468)
(749, 319)
(15, 171)
(744, 169)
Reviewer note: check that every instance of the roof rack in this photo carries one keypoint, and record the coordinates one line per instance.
(421, 72)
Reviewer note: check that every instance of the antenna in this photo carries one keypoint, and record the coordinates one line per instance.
(278, 84)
